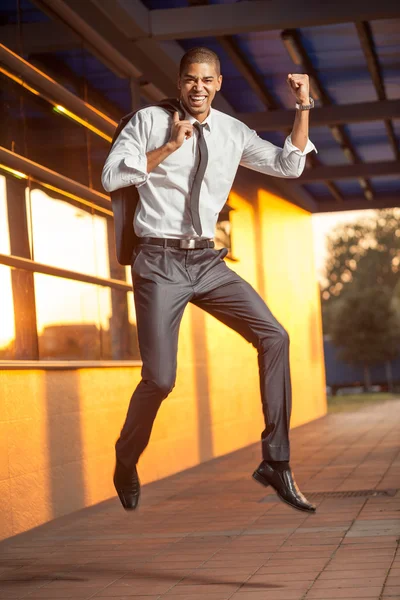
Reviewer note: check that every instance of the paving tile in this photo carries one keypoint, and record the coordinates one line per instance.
(233, 547)
(357, 566)
(146, 597)
(283, 578)
(335, 594)
(352, 574)
(267, 584)
(269, 595)
(186, 590)
(391, 591)
(77, 593)
(351, 582)
(199, 596)
(284, 569)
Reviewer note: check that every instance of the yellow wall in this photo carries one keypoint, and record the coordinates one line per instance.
(292, 294)
(58, 428)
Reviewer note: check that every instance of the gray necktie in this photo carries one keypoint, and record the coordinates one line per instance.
(198, 179)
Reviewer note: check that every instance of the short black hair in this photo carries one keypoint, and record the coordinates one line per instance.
(199, 55)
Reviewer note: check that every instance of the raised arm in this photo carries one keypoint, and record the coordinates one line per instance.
(300, 86)
(289, 161)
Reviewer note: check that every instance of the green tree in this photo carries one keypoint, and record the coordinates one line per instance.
(366, 328)
(365, 253)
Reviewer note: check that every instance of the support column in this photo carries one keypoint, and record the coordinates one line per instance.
(23, 290)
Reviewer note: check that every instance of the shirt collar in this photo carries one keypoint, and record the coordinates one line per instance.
(207, 121)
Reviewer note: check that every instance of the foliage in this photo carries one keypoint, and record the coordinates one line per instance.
(365, 326)
(366, 252)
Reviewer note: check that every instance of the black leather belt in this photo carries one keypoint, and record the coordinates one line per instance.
(177, 243)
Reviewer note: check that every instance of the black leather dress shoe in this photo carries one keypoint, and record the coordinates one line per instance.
(127, 484)
(284, 484)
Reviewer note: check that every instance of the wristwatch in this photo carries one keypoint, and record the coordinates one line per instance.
(305, 106)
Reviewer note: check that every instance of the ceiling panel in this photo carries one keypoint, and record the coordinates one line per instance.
(329, 151)
(336, 53)
(349, 187)
(386, 34)
(267, 54)
(371, 141)
(318, 190)
(387, 184)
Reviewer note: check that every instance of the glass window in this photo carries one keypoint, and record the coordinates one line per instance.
(66, 236)
(4, 232)
(98, 150)
(7, 326)
(73, 319)
(82, 321)
(32, 127)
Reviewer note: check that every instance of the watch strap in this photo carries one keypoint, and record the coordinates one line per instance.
(305, 106)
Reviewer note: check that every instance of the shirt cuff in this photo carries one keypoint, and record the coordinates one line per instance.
(134, 170)
(290, 147)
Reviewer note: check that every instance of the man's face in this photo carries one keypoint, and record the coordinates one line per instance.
(198, 84)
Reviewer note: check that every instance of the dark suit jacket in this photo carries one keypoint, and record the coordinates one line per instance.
(125, 200)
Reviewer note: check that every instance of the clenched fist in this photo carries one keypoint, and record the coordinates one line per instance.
(300, 87)
(180, 131)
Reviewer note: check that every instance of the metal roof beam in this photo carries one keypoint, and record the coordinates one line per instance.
(293, 43)
(106, 41)
(370, 169)
(104, 27)
(246, 69)
(256, 83)
(39, 37)
(53, 92)
(301, 197)
(65, 76)
(133, 19)
(264, 15)
(341, 114)
(368, 47)
(358, 203)
(40, 173)
(98, 30)
(132, 28)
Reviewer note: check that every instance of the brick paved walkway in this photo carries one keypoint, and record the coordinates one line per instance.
(211, 533)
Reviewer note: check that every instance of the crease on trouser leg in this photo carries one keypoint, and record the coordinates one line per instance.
(273, 359)
(142, 411)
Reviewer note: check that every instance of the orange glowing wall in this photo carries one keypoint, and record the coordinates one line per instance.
(292, 293)
(58, 427)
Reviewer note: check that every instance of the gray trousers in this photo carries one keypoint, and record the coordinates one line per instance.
(164, 281)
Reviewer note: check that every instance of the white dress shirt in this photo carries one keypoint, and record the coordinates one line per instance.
(163, 210)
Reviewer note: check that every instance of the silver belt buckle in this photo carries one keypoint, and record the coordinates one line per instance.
(187, 244)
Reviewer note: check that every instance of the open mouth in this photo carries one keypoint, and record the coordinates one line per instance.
(197, 100)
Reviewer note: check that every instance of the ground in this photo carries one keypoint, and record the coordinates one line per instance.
(212, 533)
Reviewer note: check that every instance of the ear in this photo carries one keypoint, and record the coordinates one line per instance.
(219, 83)
(178, 83)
